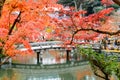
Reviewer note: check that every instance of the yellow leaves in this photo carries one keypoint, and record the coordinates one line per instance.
(48, 30)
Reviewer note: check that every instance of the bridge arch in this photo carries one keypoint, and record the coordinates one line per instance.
(40, 48)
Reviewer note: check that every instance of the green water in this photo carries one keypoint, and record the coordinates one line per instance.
(74, 73)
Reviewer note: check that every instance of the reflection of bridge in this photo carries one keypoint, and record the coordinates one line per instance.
(53, 66)
(53, 45)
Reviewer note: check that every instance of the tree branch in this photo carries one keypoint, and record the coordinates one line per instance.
(99, 31)
(117, 2)
(16, 20)
(99, 75)
(5, 60)
(94, 30)
(94, 68)
(73, 37)
(100, 67)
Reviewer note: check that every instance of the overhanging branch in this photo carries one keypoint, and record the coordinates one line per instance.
(94, 30)
(99, 31)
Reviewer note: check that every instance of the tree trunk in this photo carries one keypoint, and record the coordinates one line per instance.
(106, 77)
(1, 5)
(0, 56)
(0, 62)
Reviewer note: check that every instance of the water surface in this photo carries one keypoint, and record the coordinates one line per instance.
(73, 73)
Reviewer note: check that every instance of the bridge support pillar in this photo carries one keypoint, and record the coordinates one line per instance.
(38, 56)
(68, 55)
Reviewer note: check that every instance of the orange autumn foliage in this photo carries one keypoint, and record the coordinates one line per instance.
(75, 23)
(25, 21)
(22, 22)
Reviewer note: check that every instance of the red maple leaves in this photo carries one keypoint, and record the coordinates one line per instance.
(107, 2)
(38, 22)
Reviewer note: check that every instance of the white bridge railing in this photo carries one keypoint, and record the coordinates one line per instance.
(42, 45)
(51, 44)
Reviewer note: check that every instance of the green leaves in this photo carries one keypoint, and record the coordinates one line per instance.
(103, 62)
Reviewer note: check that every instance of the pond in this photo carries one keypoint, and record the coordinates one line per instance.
(74, 73)
(50, 57)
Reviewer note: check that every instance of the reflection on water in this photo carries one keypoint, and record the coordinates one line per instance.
(75, 73)
(64, 76)
(50, 56)
(83, 72)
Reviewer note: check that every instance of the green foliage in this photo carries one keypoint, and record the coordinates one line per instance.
(1, 55)
(99, 61)
(91, 6)
(66, 2)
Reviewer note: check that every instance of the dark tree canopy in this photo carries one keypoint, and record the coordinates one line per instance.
(91, 6)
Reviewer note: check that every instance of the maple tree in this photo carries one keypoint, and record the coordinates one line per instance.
(78, 27)
(22, 22)
(20, 18)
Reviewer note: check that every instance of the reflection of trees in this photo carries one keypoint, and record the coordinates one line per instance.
(76, 56)
(67, 76)
(8, 74)
(2, 72)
